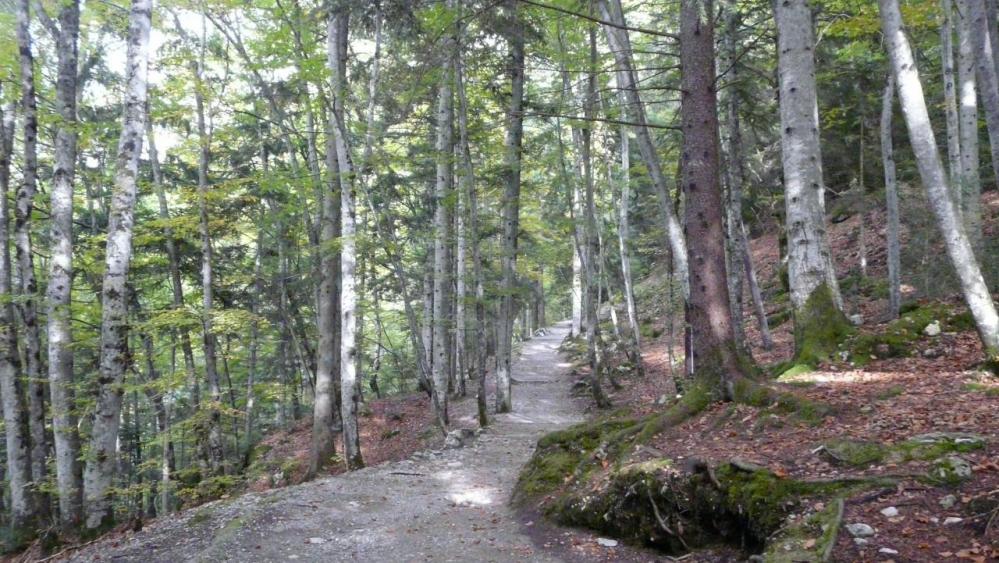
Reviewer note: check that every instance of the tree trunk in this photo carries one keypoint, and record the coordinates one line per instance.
(734, 176)
(590, 244)
(114, 316)
(511, 208)
(176, 285)
(28, 294)
(22, 499)
(466, 182)
(924, 146)
(891, 199)
(461, 292)
(950, 98)
(59, 294)
(624, 242)
(620, 45)
(983, 36)
(971, 182)
(215, 445)
(715, 356)
(810, 265)
(442, 232)
(350, 391)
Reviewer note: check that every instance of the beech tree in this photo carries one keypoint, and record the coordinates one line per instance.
(114, 322)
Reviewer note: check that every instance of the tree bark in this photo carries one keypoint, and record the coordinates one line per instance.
(620, 44)
(215, 444)
(114, 316)
(891, 199)
(350, 391)
(442, 231)
(715, 356)
(810, 265)
(950, 98)
(983, 36)
(971, 182)
(924, 146)
(466, 183)
(59, 294)
(28, 290)
(176, 285)
(511, 208)
(22, 498)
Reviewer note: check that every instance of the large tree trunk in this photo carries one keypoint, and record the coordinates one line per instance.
(715, 356)
(620, 45)
(23, 209)
(442, 233)
(21, 501)
(924, 146)
(114, 316)
(349, 384)
(971, 182)
(511, 208)
(810, 265)
(891, 199)
(950, 98)
(66, 439)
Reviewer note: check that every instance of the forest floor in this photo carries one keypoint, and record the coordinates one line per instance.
(437, 505)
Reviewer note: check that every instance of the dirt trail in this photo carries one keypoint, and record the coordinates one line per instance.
(449, 505)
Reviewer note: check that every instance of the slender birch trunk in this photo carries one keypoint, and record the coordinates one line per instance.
(590, 244)
(971, 182)
(22, 498)
(983, 36)
(176, 285)
(114, 316)
(461, 291)
(891, 198)
(624, 242)
(467, 186)
(23, 209)
(511, 208)
(350, 391)
(214, 439)
(59, 294)
(950, 98)
(620, 45)
(917, 120)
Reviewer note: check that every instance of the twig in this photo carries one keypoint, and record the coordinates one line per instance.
(412, 473)
(662, 521)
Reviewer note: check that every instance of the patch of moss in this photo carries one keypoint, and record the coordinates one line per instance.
(819, 328)
(792, 371)
(810, 538)
(918, 448)
(855, 452)
(988, 390)
(899, 337)
(761, 396)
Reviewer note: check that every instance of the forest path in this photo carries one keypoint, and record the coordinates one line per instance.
(449, 505)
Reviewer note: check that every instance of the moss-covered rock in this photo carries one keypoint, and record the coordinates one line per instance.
(900, 337)
(924, 447)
